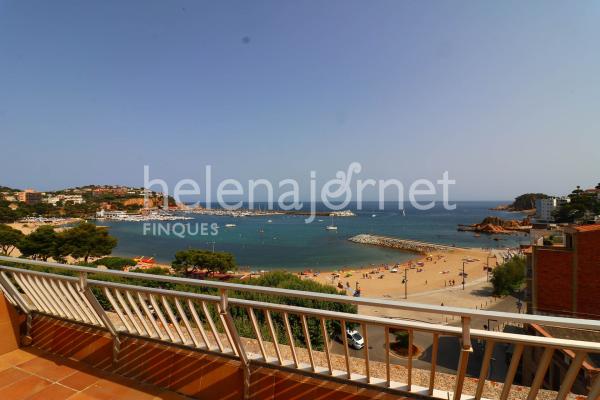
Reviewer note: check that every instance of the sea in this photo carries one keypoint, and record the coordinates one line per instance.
(287, 242)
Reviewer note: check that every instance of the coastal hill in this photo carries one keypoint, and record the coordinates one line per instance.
(496, 225)
(524, 203)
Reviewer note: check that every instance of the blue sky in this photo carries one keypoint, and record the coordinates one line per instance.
(503, 95)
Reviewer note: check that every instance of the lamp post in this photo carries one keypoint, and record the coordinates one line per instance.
(463, 276)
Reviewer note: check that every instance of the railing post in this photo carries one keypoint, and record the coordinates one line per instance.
(87, 292)
(230, 326)
(464, 356)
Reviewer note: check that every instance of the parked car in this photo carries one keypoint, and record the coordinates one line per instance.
(355, 340)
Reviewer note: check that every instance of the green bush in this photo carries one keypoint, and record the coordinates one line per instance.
(401, 338)
(117, 263)
(509, 277)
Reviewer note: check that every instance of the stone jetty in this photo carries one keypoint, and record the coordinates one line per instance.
(401, 244)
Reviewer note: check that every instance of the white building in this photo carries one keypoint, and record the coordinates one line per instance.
(545, 207)
(65, 198)
(105, 214)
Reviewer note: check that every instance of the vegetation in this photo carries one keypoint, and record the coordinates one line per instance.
(42, 244)
(82, 241)
(582, 205)
(192, 260)
(9, 239)
(87, 240)
(509, 277)
(401, 338)
(7, 214)
(116, 263)
(526, 201)
(286, 280)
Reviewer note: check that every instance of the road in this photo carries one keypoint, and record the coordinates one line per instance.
(449, 348)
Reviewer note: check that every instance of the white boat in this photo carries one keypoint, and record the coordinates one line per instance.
(269, 221)
(403, 213)
(331, 227)
(373, 215)
(230, 225)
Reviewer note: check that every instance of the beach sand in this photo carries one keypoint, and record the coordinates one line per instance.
(439, 268)
(30, 226)
(27, 227)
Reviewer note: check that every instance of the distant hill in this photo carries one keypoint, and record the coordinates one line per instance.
(7, 189)
(524, 202)
(527, 201)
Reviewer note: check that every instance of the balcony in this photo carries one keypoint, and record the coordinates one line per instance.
(136, 337)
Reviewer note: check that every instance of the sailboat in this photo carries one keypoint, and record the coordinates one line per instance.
(331, 227)
(403, 213)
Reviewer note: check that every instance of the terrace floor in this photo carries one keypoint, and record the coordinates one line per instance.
(33, 374)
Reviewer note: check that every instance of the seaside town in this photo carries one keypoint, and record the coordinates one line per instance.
(271, 200)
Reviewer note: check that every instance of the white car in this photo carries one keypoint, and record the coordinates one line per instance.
(394, 270)
(355, 340)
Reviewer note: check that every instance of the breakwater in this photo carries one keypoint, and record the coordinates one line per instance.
(400, 244)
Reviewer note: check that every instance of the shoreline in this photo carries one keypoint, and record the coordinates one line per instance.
(424, 273)
(429, 266)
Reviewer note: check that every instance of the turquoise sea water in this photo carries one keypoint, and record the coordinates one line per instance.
(289, 243)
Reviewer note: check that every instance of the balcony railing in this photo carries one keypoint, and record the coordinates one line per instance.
(204, 322)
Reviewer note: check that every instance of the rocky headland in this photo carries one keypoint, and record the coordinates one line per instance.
(496, 225)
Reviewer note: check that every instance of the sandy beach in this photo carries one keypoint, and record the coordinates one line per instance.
(30, 226)
(433, 271)
(27, 227)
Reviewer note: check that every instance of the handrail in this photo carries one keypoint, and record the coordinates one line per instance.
(357, 318)
(576, 323)
(190, 319)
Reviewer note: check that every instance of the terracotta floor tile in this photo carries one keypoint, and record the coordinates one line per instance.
(81, 396)
(166, 395)
(17, 357)
(106, 390)
(5, 365)
(53, 392)
(47, 368)
(24, 388)
(12, 375)
(80, 380)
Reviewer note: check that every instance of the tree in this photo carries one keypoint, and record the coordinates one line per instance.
(7, 214)
(42, 243)
(87, 240)
(581, 205)
(193, 259)
(509, 277)
(9, 239)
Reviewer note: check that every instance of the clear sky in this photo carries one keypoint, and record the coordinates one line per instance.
(504, 95)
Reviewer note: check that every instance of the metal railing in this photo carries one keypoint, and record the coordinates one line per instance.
(205, 322)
